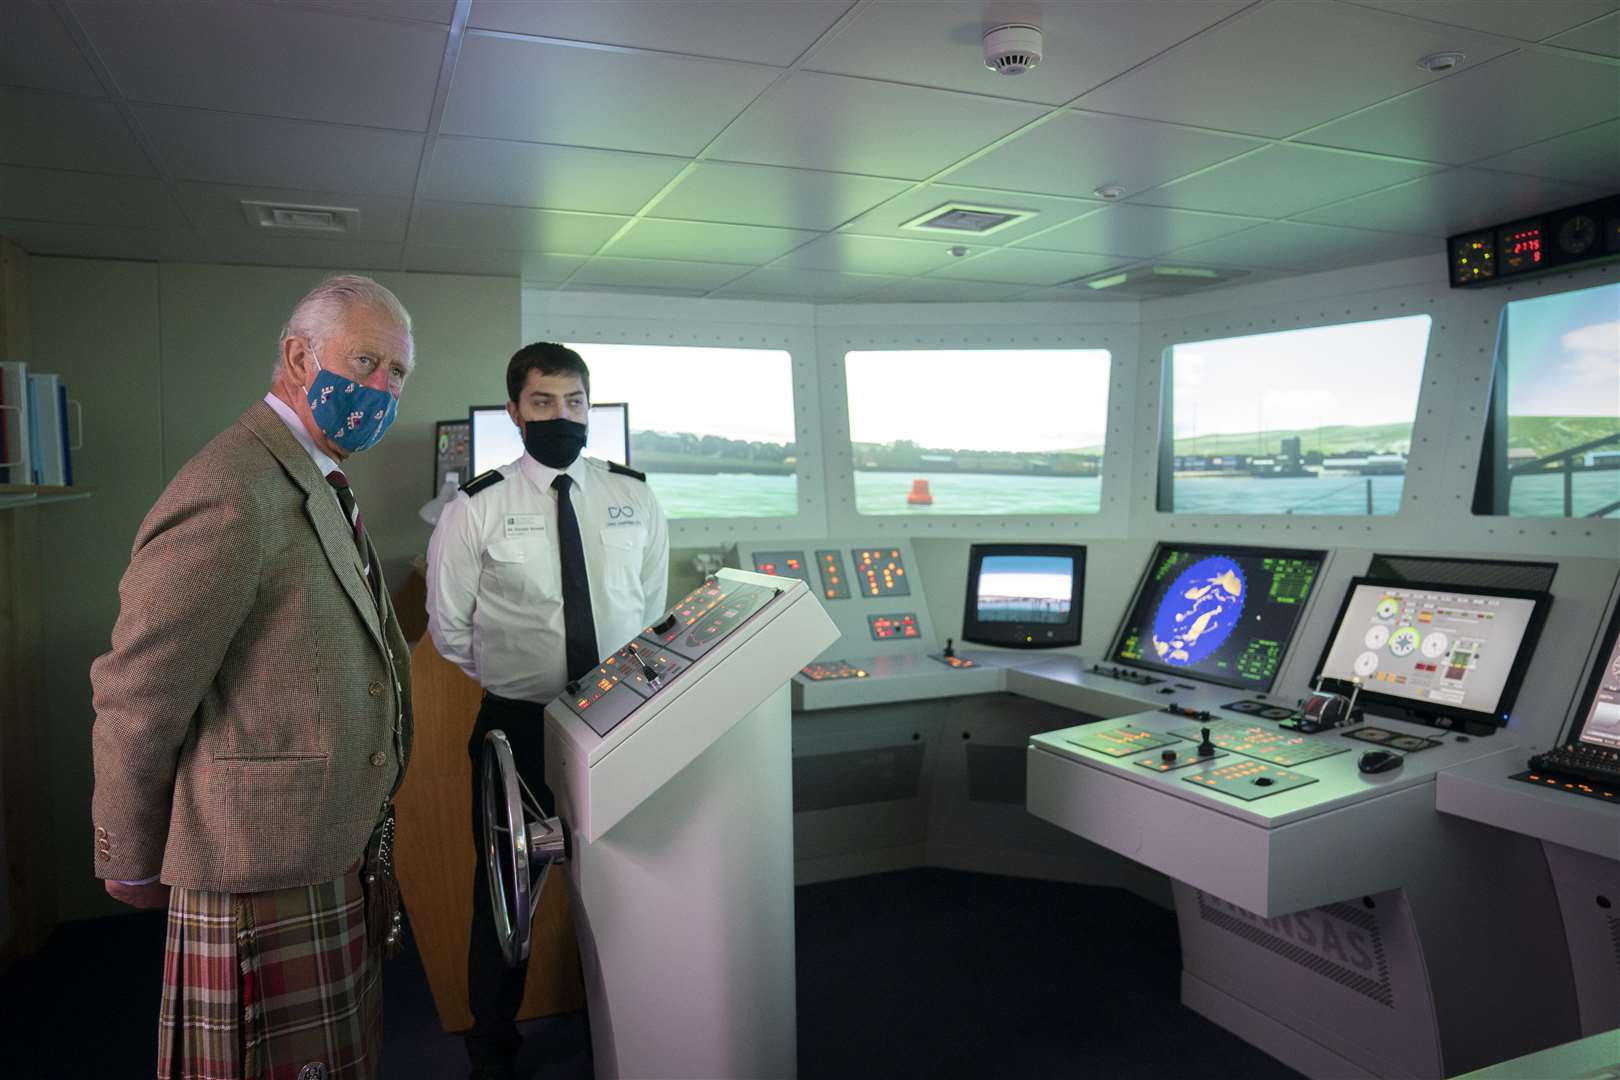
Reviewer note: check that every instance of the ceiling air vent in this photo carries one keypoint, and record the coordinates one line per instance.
(1161, 280)
(958, 218)
(286, 217)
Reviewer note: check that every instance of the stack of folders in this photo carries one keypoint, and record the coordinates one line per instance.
(35, 448)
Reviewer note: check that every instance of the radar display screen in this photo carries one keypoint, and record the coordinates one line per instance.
(881, 572)
(1598, 717)
(782, 564)
(1436, 650)
(834, 582)
(1221, 614)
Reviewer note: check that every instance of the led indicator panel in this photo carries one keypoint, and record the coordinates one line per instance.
(1473, 258)
(888, 627)
(834, 582)
(881, 572)
(782, 564)
(1518, 248)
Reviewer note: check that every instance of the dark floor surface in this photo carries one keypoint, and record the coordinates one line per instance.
(921, 973)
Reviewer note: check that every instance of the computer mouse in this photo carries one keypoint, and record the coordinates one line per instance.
(1376, 761)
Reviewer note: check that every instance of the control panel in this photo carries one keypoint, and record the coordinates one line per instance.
(881, 572)
(647, 666)
(782, 564)
(1558, 240)
(886, 627)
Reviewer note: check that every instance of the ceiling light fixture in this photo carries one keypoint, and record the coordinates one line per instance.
(1441, 61)
(967, 218)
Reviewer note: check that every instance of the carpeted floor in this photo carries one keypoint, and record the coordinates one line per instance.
(921, 973)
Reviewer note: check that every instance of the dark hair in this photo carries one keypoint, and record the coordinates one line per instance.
(548, 358)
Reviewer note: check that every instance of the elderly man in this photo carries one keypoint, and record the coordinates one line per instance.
(253, 718)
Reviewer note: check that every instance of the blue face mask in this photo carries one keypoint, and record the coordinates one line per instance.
(352, 415)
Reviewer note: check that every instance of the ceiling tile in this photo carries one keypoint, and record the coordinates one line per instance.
(252, 150)
(54, 132)
(1021, 266)
(437, 11)
(1283, 180)
(853, 125)
(761, 195)
(547, 177)
(513, 228)
(938, 290)
(87, 198)
(1288, 245)
(871, 255)
(513, 89)
(270, 59)
(529, 265)
(1510, 18)
(1049, 211)
(104, 241)
(789, 283)
(1487, 110)
(1076, 153)
(1453, 201)
(697, 241)
(762, 33)
(217, 210)
(1137, 231)
(321, 254)
(36, 50)
(1588, 156)
(633, 291)
(1601, 36)
(656, 273)
(941, 44)
(1279, 68)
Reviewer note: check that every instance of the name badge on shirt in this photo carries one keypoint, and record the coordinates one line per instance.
(524, 525)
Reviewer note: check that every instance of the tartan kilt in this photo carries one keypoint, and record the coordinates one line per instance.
(279, 985)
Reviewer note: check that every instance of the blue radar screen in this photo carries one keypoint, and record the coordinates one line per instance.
(1200, 611)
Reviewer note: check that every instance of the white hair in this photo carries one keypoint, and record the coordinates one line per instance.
(317, 315)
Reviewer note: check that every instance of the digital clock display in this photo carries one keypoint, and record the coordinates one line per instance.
(1518, 248)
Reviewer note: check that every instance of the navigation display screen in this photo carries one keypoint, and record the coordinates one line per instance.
(1221, 614)
(1598, 719)
(1024, 596)
(1435, 648)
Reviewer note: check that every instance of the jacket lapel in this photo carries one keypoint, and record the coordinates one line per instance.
(321, 506)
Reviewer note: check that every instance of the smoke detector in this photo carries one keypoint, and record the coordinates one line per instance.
(1012, 48)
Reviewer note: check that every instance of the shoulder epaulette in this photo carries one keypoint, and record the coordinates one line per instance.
(625, 470)
(487, 479)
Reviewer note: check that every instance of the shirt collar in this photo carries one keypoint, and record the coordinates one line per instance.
(323, 461)
(542, 475)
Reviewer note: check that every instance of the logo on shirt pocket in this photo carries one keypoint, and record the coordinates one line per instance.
(622, 514)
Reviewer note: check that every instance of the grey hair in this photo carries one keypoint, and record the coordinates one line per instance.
(315, 317)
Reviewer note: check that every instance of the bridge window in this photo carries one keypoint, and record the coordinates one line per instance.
(712, 428)
(1552, 442)
(1313, 421)
(977, 431)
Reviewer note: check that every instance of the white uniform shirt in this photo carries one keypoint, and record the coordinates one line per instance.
(494, 579)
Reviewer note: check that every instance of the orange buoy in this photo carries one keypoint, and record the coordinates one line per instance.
(920, 495)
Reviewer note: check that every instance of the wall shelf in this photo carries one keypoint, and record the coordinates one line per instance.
(13, 496)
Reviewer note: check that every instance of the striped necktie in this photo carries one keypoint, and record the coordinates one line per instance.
(351, 510)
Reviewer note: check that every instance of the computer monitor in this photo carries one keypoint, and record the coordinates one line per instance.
(1597, 716)
(1435, 652)
(496, 441)
(1024, 596)
(450, 453)
(1218, 613)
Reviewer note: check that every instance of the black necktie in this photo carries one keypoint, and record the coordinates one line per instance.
(579, 629)
(351, 510)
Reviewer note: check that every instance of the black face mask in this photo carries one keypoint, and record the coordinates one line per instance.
(554, 443)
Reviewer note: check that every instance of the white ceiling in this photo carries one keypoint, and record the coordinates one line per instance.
(776, 148)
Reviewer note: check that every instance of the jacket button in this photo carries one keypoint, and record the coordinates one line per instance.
(379, 759)
(375, 689)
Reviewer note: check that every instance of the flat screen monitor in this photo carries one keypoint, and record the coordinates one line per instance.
(1024, 596)
(496, 441)
(450, 459)
(1217, 613)
(1597, 717)
(1434, 651)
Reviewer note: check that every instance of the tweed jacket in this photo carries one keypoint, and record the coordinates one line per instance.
(254, 714)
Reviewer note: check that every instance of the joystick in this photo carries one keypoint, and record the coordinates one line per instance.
(1206, 748)
(665, 625)
(950, 648)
